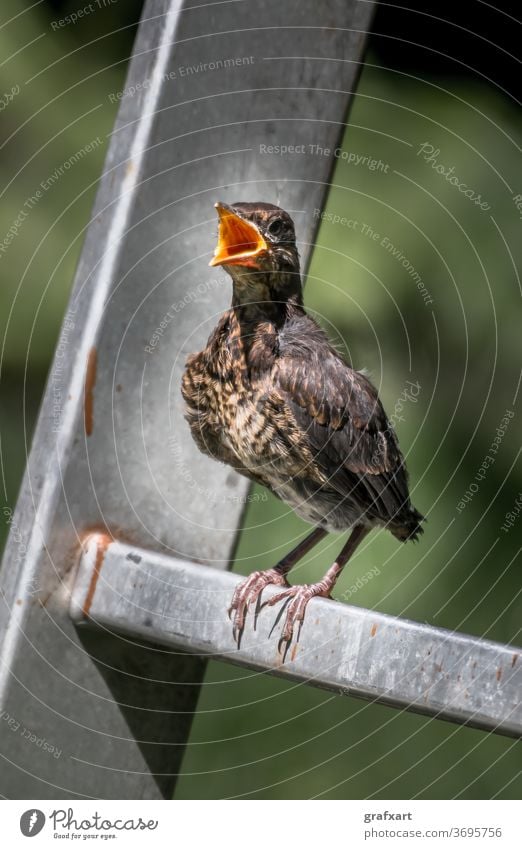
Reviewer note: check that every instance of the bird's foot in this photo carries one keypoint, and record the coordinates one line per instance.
(297, 598)
(248, 592)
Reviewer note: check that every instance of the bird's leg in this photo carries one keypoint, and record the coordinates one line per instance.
(301, 595)
(249, 591)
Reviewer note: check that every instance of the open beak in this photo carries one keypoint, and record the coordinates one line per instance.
(239, 241)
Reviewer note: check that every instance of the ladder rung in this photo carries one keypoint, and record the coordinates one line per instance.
(346, 649)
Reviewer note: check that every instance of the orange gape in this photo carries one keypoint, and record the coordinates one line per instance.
(239, 241)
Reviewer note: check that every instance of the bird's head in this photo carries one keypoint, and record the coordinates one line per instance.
(256, 246)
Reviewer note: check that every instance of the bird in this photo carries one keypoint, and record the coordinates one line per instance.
(272, 397)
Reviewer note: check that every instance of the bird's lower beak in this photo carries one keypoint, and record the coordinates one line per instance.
(239, 241)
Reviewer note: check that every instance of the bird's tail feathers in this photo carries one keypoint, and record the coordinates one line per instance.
(410, 528)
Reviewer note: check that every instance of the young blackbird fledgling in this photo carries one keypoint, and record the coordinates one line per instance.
(271, 397)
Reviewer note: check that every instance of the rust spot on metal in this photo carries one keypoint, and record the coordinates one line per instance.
(18, 600)
(115, 532)
(88, 398)
(438, 667)
(514, 659)
(374, 630)
(103, 543)
(499, 673)
(293, 652)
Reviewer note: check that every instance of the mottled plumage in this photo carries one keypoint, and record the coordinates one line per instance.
(270, 396)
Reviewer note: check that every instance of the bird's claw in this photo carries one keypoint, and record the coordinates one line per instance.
(248, 592)
(297, 598)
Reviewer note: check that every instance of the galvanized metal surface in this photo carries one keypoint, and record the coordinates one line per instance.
(208, 87)
(342, 648)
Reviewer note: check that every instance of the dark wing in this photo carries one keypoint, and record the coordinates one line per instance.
(344, 425)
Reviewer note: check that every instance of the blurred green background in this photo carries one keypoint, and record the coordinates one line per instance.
(254, 736)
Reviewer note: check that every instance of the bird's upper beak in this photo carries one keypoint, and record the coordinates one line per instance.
(239, 240)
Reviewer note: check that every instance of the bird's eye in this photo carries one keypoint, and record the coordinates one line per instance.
(276, 227)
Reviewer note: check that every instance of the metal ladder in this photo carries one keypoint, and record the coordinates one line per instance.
(114, 586)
